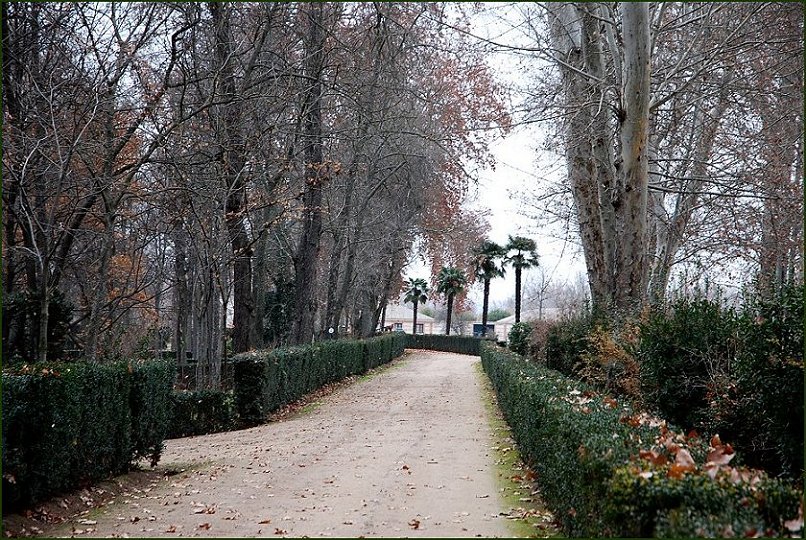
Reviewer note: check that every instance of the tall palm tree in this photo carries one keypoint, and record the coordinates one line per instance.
(416, 292)
(525, 256)
(486, 268)
(450, 282)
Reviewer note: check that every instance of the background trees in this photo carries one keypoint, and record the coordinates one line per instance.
(699, 79)
(450, 282)
(227, 176)
(486, 267)
(524, 256)
(416, 290)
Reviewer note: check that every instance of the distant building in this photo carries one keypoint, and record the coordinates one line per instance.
(503, 326)
(400, 318)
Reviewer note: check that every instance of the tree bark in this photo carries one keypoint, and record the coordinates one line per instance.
(517, 294)
(485, 307)
(307, 259)
(630, 284)
(414, 319)
(233, 160)
(448, 316)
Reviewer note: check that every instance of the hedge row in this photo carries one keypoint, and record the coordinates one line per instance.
(437, 342)
(202, 412)
(266, 380)
(607, 471)
(736, 371)
(65, 425)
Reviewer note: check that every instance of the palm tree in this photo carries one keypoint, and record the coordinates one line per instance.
(525, 256)
(450, 282)
(416, 292)
(486, 268)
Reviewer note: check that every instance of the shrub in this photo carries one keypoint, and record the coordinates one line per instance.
(519, 337)
(65, 425)
(606, 470)
(685, 356)
(762, 407)
(437, 342)
(266, 380)
(201, 412)
(609, 362)
(152, 407)
(567, 342)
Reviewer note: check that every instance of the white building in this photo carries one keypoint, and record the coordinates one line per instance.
(401, 318)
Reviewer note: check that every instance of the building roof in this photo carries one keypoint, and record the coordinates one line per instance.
(396, 311)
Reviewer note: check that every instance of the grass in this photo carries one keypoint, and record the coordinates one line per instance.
(528, 516)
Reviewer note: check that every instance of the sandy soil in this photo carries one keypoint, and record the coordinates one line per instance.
(406, 453)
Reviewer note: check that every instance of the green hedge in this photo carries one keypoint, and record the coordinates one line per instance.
(587, 451)
(65, 425)
(201, 412)
(438, 342)
(266, 380)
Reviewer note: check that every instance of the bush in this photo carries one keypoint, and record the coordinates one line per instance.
(437, 342)
(519, 338)
(201, 412)
(266, 380)
(606, 470)
(609, 360)
(152, 407)
(685, 355)
(761, 409)
(66, 425)
(567, 342)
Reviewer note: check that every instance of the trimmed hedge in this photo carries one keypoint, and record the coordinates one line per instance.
(201, 412)
(438, 342)
(266, 380)
(606, 470)
(66, 425)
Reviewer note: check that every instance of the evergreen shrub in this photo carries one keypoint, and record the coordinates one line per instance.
(201, 412)
(437, 342)
(65, 425)
(607, 470)
(519, 337)
(266, 380)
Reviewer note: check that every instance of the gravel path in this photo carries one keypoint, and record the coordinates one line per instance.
(405, 453)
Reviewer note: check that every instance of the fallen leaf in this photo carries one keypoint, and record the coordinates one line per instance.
(171, 529)
(205, 526)
(796, 524)
(414, 524)
(280, 531)
(264, 522)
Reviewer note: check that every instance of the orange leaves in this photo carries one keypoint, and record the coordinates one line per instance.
(683, 464)
(655, 458)
(718, 456)
(717, 459)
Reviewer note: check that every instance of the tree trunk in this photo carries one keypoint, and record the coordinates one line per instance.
(233, 150)
(485, 307)
(448, 317)
(630, 284)
(517, 294)
(307, 259)
(414, 321)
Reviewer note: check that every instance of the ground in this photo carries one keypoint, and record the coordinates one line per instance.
(417, 449)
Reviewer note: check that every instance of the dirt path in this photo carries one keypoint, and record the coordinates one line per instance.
(405, 453)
